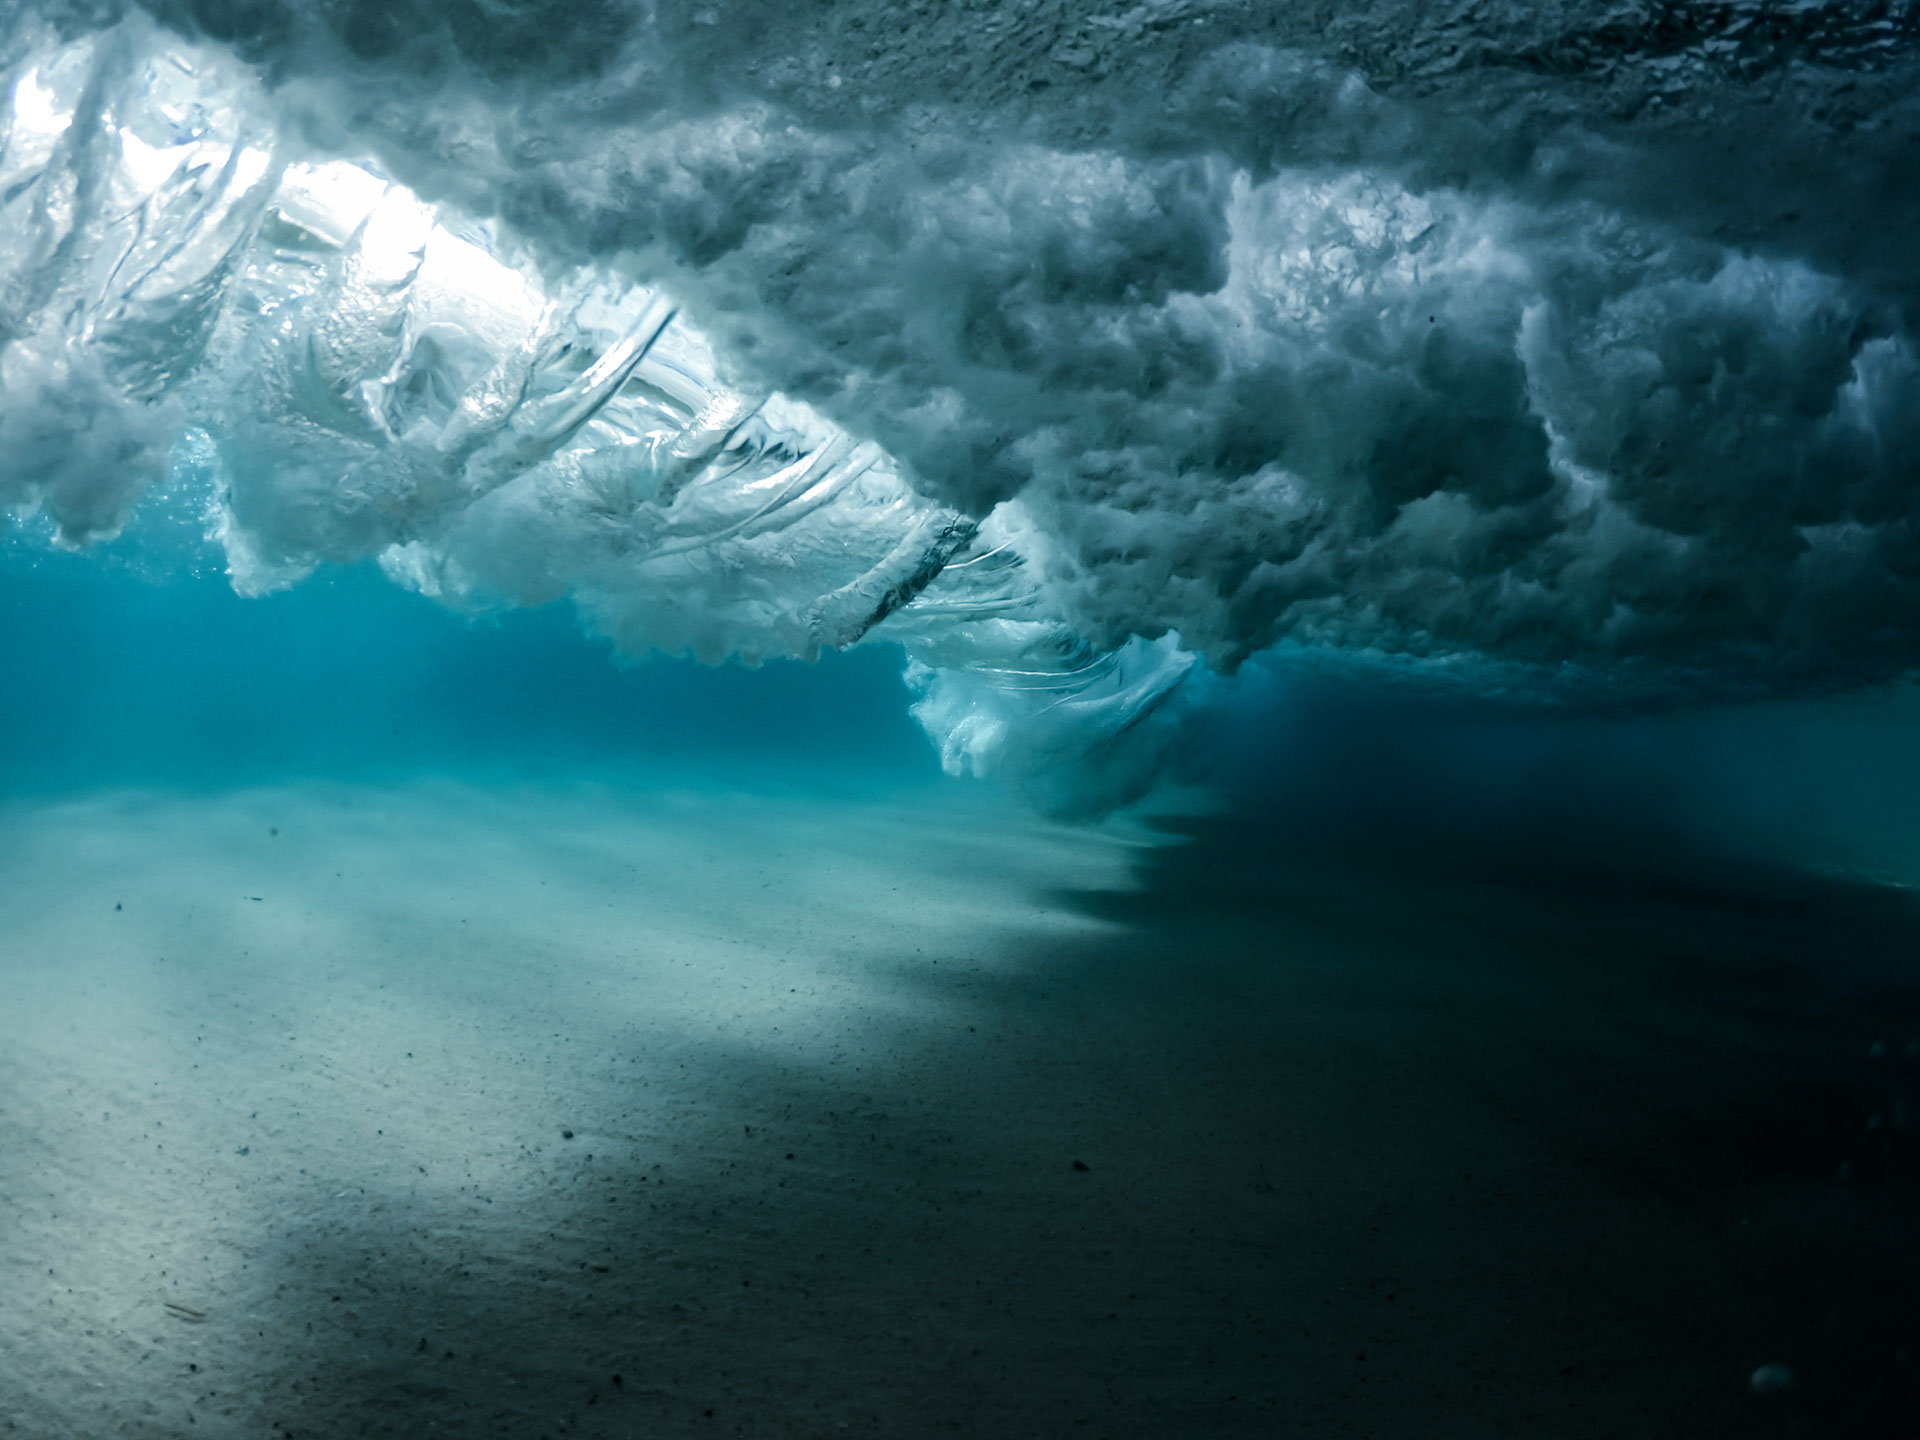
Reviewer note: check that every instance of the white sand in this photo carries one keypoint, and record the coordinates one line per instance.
(314, 1085)
(827, 1062)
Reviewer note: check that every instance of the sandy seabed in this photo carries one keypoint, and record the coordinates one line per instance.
(634, 1109)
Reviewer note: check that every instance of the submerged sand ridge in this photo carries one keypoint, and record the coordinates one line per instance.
(649, 1109)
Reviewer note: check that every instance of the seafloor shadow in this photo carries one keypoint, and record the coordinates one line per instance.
(1343, 1137)
(1697, 1071)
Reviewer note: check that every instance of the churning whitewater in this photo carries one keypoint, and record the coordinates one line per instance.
(366, 375)
(1064, 403)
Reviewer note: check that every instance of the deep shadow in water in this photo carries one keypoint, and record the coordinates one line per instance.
(1377, 1141)
(1693, 1078)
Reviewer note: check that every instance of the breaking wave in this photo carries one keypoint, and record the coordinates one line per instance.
(1344, 346)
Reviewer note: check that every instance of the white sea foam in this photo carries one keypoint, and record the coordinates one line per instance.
(372, 375)
(1059, 405)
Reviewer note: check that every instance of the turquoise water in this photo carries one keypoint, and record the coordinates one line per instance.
(118, 680)
(127, 669)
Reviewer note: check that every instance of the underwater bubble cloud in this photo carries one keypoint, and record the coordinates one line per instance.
(1075, 407)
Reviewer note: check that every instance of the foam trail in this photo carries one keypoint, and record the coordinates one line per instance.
(367, 374)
